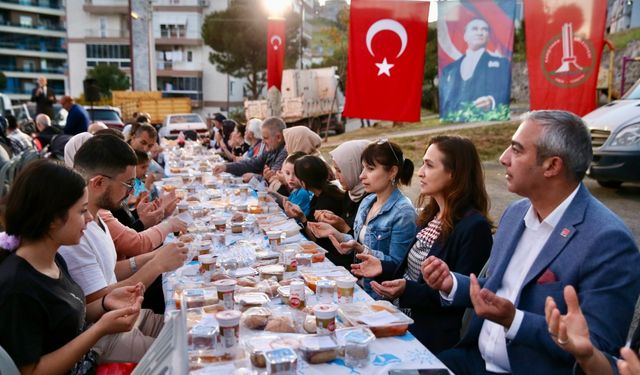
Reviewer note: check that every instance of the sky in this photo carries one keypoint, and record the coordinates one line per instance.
(433, 9)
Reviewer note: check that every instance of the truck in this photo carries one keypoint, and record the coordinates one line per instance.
(150, 102)
(309, 97)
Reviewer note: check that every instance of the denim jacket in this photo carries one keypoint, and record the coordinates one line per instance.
(391, 232)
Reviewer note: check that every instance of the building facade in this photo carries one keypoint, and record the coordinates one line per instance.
(178, 60)
(32, 44)
(623, 15)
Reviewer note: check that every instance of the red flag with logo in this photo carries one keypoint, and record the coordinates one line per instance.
(564, 44)
(275, 51)
(387, 40)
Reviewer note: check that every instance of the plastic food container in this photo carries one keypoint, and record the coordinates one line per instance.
(275, 270)
(274, 237)
(193, 298)
(356, 347)
(284, 292)
(229, 322)
(325, 318)
(220, 223)
(303, 260)
(283, 361)
(346, 287)
(248, 300)
(317, 349)
(226, 289)
(257, 347)
(236, 227)
(382, 317)
(207, 262)
(325, 290)
(203, 337)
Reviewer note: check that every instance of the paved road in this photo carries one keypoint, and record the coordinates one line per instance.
(625, 201)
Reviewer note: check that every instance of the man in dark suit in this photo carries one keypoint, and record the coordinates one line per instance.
(44, 97)
(559, 235)
(477, 77)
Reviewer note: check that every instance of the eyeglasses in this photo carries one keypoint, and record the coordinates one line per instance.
(127, 185)
(382, 141)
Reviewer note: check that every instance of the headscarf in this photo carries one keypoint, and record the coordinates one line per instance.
(301, 138)
(73, 145)
(347, 158)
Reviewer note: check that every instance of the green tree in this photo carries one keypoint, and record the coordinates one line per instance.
(108, 78)
(238, 37)
(429, 89)
(333, 38)
(3, 81)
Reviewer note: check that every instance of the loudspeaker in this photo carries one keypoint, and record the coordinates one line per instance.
(91, 90)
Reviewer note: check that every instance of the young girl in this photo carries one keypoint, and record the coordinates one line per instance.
(142, 182)
(42, 310)
(298, 195)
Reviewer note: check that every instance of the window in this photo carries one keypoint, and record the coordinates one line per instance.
(189, 56)
(114, 54)
(26, 21)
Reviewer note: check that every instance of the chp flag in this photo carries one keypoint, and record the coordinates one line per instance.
(385, 70)
(564, 41)
(275, 51)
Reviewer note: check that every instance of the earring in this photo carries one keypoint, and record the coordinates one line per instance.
(393, 181)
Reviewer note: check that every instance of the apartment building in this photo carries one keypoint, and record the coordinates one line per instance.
(32, 34)
(623, 15)
(99, 33)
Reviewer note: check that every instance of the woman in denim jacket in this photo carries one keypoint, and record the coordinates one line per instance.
(385, 224)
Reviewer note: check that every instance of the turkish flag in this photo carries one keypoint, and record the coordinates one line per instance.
(387, 40)
(564, 44)
(275, 51)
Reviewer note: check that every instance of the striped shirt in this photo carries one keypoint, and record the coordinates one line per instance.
(421, 248)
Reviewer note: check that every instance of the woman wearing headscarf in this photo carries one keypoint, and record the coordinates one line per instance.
(73, 146)
(297, 139)
(347, 167)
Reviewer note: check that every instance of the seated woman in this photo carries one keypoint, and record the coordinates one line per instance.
(454, 228)
(313, 174)
(347, 167)
(385, 224)
(42, 310)
(237, 145)
(253, 137)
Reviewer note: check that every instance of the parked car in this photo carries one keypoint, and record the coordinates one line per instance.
(615, 135)
(109, 115)
(26, 115)
(184, 122)
(5, 104)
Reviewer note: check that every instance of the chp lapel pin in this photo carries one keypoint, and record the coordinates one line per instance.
(565, 232)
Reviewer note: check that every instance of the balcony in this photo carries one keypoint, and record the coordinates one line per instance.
(49, 7)
(50, 30)
(29, 69)
(177, 38)
(119, 35)
(180, 5)
(33, 48)
(106, 6)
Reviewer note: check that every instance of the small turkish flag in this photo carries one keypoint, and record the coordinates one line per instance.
(387, 40)
(275, 51)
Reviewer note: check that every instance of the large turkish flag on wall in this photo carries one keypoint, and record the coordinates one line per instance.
(387, 40)
(275, 51)
(564, 44)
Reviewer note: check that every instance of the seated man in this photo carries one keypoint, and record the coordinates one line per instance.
(269, 162)
(45, 131)
(108, 165)
(559, 235)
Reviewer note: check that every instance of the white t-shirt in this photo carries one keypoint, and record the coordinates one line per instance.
(92, 262)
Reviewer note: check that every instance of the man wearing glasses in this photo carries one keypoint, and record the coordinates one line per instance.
(108, 165)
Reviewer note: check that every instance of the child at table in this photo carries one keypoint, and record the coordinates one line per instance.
(142, 182)
(297, 194)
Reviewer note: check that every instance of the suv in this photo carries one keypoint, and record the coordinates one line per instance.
(615, 135)
(109, 115)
